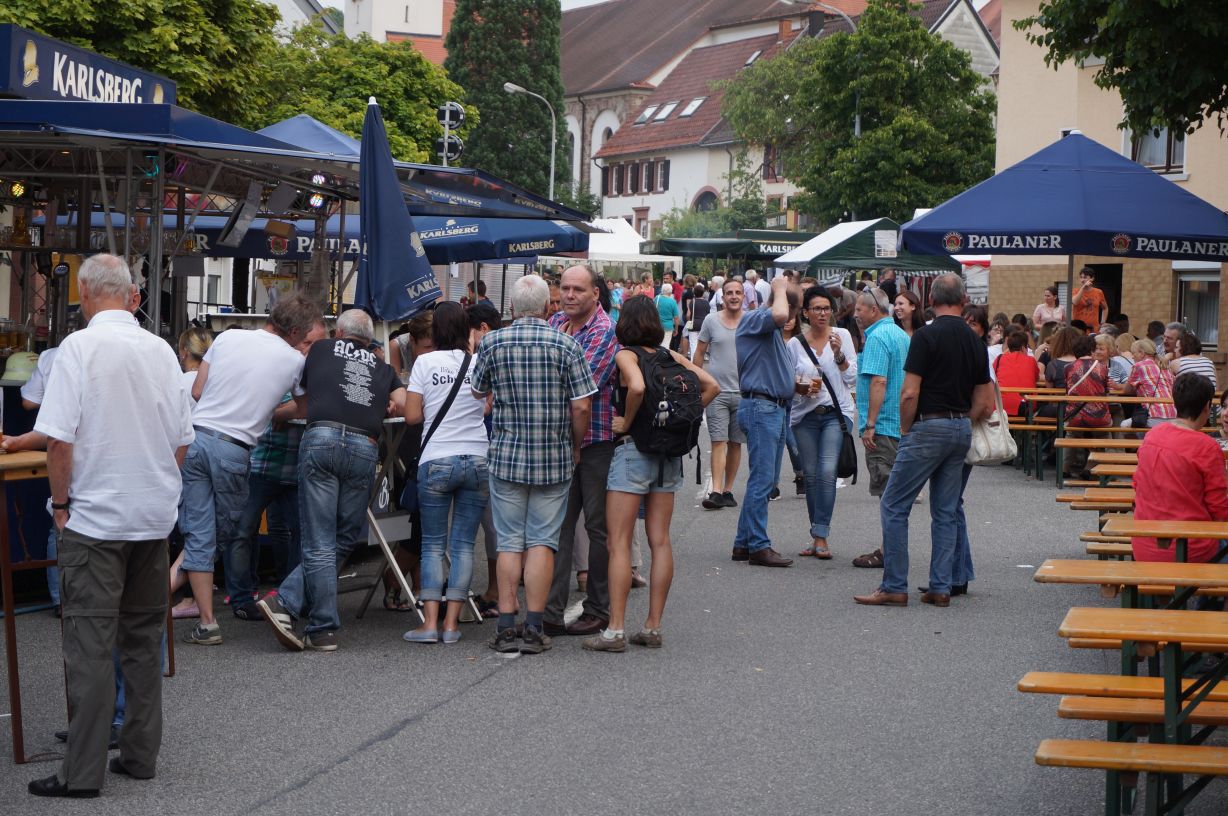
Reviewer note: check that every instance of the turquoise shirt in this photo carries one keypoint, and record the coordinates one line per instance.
(884, 354)
(669, 312)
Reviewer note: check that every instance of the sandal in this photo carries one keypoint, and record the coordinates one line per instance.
(488, 608)
(394, 603)
(822, 553)
(872, 560)
(807, 553)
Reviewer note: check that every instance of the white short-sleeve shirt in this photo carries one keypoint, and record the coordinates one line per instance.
(462, 431)
(37, 384)
(115, 395)
(249, 373)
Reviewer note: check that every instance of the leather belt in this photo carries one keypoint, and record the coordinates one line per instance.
(824, 409)
(783, 403)
(943, 415)
(341, 426)
(222, 436)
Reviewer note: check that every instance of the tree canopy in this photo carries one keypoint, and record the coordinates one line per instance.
(1166, 59)
(496, 41)
(218, 51)
(927, 130)
(330, 78)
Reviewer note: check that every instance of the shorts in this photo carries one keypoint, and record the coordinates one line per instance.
(639, 473)
(880, 461)
(527, 515)
(722, 417)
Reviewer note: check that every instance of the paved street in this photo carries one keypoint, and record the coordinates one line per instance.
(774, 693)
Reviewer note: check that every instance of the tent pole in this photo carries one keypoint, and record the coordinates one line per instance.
(1069, 289)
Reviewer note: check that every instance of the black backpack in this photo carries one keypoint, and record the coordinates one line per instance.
(667, 423)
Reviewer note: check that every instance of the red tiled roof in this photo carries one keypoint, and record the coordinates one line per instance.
(991, 15)
(620, 43)
(691, 79)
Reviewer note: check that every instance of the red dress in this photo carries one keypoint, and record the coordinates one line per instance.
(1180, 477)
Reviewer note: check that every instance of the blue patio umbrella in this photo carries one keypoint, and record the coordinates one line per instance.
(395, 279)
(1074, 197)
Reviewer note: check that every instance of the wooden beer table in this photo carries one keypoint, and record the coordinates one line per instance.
(1168, 532)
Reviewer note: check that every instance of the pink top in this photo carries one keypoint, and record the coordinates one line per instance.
(1180, 477)
(1043, 314)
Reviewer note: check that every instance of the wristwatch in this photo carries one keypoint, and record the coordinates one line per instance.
(840, 360)
(58, 506)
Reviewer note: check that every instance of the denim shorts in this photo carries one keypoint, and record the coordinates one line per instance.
(527, 515)
(635, 472)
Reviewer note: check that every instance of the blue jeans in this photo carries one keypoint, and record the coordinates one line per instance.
(819, 439)
(528, 515)
(211, 503)
(961, 571)
(336, 471)
(243, 555)
(460, 485)
(932, 451)
(795, 453)
(766, 425)
(53, 573)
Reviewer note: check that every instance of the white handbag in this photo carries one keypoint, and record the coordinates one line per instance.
(992, 442)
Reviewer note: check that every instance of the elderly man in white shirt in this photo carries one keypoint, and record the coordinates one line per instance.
(242, 378)
(118, 425)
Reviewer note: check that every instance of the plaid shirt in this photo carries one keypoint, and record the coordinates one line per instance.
(884, 354)
(1149, 380)
(534, 372)
(596, 339)
(275, 457)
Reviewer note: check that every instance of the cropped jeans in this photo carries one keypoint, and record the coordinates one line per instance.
(819, 439)
(458, 486)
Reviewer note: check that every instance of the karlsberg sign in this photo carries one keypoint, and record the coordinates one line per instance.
(36, 67)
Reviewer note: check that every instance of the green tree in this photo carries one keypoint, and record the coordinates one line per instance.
(571, 195)
(1166, 59)
(330, 77)
(926, 116)
(218, 51)
(496, 41)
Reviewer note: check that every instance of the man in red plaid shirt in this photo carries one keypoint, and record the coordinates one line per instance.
(588, 324)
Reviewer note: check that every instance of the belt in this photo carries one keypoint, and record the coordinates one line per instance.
(943, 415)
(341, 426)
(783, 403)
(222, 436)
(824, 409)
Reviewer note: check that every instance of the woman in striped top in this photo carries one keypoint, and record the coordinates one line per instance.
(1189, 358)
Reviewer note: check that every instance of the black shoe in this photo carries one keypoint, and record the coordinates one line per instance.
(534, 641)
(799, 484)
(552, 628)
(775, 494)
(248, 612)
(714, 501)
(112, 743)
(956, 589)
(117, 767)
(52, 786)
(504, 640)
(740, 554)
(58, 611)
(730, 501)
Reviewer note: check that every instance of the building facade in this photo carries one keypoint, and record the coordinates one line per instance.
(425, 23)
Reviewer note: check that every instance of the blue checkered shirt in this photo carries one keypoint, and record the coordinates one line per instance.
(534, 371)
(884, 354)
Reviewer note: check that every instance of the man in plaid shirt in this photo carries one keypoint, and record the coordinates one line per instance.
(542, 390)
(588, 324)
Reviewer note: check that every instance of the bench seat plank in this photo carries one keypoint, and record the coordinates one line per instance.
(1107, 709)
(1107, 685)
(1143, 757)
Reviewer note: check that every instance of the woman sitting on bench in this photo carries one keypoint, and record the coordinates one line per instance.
(1180, 473)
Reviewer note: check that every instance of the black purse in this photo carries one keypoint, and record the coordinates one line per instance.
(409, 494)
(846, 465)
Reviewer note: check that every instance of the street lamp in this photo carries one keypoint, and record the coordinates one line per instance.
(513, 88)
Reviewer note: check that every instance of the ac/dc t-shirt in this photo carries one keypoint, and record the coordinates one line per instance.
(347, 383)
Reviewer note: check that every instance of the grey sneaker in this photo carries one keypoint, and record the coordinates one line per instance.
(205, 635)
(647, 638)
(321, 641)
(283, 625)
(504, 641)
(600, 643)
(533, 641)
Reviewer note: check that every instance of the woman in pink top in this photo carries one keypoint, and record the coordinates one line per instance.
(1180, 473)
(1049, 311)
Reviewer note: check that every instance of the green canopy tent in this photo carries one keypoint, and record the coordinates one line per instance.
(751, 245)
(859, 245)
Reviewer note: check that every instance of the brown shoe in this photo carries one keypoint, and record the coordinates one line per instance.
(769, 558)
(936, 598)
(599, 643)
(588, 625)
(740, 554)
(872, 560)
(880, 598)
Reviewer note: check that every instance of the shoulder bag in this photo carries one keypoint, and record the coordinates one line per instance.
(992, 442)
(846, 465)
(409, 494)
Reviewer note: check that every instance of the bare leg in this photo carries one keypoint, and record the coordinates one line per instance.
(620, 512)
(430, 616)
(718, 466)
(538, 574)
(510, 566)
(202, 590)
(732, 460)
(451, 618)
(492, 580)
(660, 513)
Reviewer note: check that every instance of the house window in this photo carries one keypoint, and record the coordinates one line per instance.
(616, 179)
(641, 221)
(1162, 151)
(633, 178)
(752, 58)
(211, 290)
(662, 175)
(1198, 305)
(775, 204)
(645, 115)
(605, 181)
(650, 176)
(692, 106)
(707, 202)
(665, 111)
(773, 164)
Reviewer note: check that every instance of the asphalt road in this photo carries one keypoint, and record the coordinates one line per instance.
(773, 693)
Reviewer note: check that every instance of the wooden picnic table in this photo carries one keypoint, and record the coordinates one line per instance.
(1132, 575)
(1167, 531)
(1106, 472)
(1111, 458)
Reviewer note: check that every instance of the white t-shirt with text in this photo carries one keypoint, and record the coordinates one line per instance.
(462, 431)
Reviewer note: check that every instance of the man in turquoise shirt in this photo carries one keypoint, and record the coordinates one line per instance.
(880, 377)
(669, 312)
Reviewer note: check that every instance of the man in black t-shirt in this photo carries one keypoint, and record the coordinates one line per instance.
(946, 389)
(349, 392)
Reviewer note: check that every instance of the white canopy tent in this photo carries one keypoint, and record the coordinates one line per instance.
(617, 246)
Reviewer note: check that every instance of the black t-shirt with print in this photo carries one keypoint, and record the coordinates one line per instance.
(347, 383)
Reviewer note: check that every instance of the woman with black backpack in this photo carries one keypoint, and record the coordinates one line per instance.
(661, 397)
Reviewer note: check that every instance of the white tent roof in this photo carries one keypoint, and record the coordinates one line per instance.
(800, 257)
(619, 238)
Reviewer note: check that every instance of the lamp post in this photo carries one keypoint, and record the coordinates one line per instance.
(513, 88)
